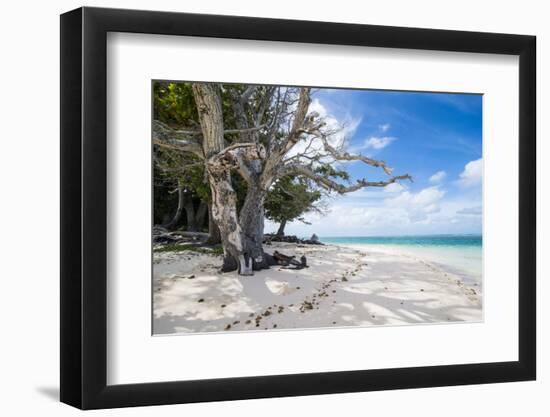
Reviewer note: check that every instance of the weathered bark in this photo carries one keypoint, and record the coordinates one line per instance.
(285, 260)
(281, 231)
(214, 236)
(224, 199)
(224, 212)
(251, 216)
(251, 219)
(177, 215)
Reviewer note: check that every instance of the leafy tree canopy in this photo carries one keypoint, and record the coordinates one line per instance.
(289, 199)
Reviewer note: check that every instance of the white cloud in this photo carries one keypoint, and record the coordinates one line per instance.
(377, 213)
(475, 211)
(418, 206)
(424, 197)
(472, 174)
(385, 127)
(394, 188)
(377, 142)
(438, 177)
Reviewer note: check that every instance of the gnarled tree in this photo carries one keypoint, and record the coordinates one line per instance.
(268, 133)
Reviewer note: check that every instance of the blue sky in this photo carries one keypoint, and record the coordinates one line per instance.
(434, 137)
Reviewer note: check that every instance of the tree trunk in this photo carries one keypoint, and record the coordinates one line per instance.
(224, 212)
(281, 231)
(214, 237)
(252, 223)
(224, 199)
(165, 220)
(200, 216)
(177, 216)
(190, 213)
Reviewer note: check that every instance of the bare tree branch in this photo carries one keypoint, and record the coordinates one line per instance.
(247, 93)
(265, 101)
(239, 101)
(179, 132)
(331, 185)
(233, 156)
(316, 132)
(167, 137)
(299, 120)
(345, 156)
(246, 130)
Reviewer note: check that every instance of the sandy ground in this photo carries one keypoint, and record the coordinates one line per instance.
(344, 286)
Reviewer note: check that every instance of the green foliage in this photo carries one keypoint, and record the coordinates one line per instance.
(194, 181)
(289, 199)
(329, 171)
(174, 103)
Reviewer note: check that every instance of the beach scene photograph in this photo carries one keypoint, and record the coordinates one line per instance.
(289, 207)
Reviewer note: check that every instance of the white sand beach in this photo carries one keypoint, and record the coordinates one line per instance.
(343, 286)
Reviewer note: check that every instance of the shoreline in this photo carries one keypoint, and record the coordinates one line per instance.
(431, 255)
(344, 286)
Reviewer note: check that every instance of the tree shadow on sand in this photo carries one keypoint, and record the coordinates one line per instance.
(344, 310)
(353, 292)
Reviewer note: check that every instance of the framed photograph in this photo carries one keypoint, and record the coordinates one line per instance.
(257, 208)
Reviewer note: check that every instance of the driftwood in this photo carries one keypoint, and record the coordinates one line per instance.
(287, 261)
(268, 238)
(163, 236)
(277, 259)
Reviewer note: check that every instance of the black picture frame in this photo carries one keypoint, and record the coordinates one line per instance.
(84, 207)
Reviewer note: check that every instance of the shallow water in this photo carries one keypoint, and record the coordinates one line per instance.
(462, 254)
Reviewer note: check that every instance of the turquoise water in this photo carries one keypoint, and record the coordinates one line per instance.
(424, 240)
(461, 254)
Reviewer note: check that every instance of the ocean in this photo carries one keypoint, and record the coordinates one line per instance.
(460, 254)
